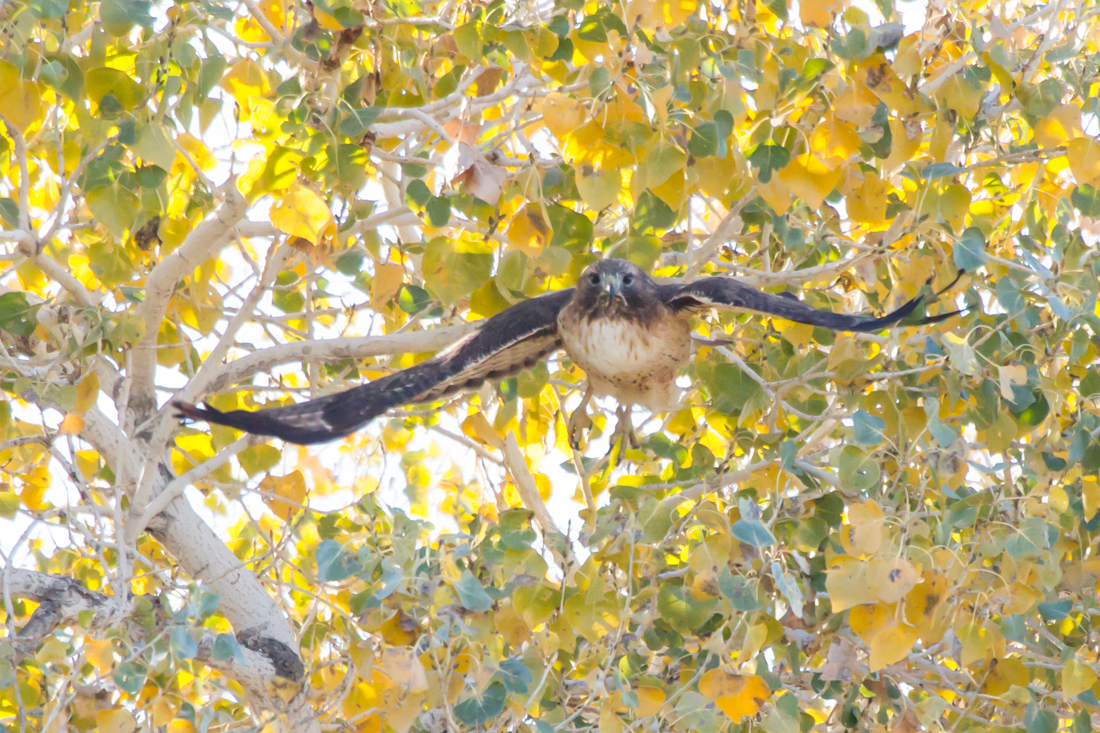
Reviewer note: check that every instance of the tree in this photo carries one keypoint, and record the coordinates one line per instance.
(263, 201)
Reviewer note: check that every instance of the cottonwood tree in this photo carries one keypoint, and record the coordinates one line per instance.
(257, 202)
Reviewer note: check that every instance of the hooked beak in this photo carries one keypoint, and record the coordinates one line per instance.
(611, 284)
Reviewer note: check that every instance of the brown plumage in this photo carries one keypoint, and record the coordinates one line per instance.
(630, 334)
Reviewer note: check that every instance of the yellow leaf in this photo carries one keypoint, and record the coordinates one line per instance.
(856, 104)
(87, 392)
(115, 721)
(1003, 674)
(1090, 496)
(847, 584)
(562, 115)
(386, 284)
(867, 203)
(892, 646)
(300, 212)
(289, 491)
(885, 84)
(1084, 160)
(478, 427)
(599, 188)
(871, 619)
(976, 642)
(1077, 677)
(198, 151)
(892, 579)
(834, 138)
(776, 193)
(528, 231)
(245, 80)
(71, 425)
(810, 178)
(735, 695)
(404, 669)
(798, 334)
(954, 203)
(609, 721)
(162, 712)
(20, 100)
(650, 700)
(674, 13)
(820, 13)
(100, 654)
(1059, 127)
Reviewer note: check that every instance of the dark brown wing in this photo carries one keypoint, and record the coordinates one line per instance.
(727, 292)
(503, 345)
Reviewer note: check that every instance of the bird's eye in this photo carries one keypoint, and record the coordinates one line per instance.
(594, 279)
(628, 280)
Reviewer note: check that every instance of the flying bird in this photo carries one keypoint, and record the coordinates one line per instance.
(630, 334)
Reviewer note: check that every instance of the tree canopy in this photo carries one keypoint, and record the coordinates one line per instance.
(257, 202)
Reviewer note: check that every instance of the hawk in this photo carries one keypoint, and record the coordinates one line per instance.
(630, 334)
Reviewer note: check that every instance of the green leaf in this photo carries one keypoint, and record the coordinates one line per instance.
(356, 123)
(651, 214)
(572, 231)
(476, 711)
(471, 594)
(1040, 99)
(969, 252)
(455, 269)
(856, 470)
(768, 158)
(753, 533)
(704, 141)
(680, 610)
(17, 316)
(1086, 199)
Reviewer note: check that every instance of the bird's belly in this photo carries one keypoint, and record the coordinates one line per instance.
(632, 362)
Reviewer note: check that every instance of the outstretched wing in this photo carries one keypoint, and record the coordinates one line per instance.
(505, 344)
(727, 292)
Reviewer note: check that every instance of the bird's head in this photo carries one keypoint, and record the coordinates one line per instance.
(615, 287)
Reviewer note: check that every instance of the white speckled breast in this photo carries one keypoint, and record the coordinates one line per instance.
(632, 362)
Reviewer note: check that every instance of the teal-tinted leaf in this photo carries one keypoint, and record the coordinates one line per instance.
(476, 711)
(356, 123)
(333, 562)
(1038, 720)
(933, 171)
(392, 576)
(768, 158)
(1036, 412)
(131, 677)
(471, 594)
(723, 122)
(969, 253)
(183, 644)
(515, 675)
(226, 647)
(150, 176)
(738, 591)
(869, 429)
(418, 192)
(753, 533)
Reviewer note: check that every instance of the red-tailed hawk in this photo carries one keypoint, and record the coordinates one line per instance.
(630, 334)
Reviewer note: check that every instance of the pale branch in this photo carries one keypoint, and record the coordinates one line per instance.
(532, 500)
(202, 242)
(212, 363)
(330, 350)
